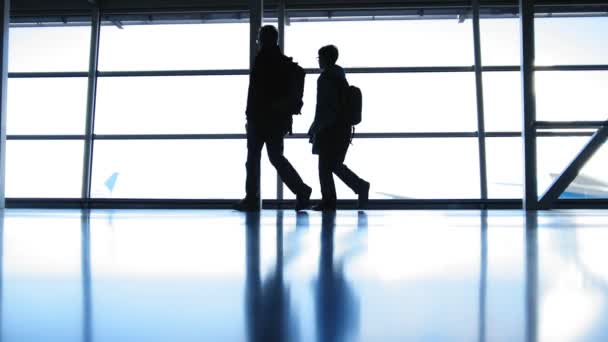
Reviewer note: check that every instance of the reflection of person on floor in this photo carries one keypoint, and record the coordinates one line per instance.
(268, 314)
(337, 308)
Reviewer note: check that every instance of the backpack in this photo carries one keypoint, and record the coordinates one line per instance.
(352, 104)
(295, 77)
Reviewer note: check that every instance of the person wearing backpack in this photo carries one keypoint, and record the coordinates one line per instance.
(332, 129)
(269, 108)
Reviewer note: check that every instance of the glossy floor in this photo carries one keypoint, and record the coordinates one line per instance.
(219, 275)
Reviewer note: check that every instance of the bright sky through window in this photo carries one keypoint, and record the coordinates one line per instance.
(408, 102)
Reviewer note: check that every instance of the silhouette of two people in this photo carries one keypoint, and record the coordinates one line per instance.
(268, 122)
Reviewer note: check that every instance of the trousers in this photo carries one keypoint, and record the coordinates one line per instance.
(274, 140)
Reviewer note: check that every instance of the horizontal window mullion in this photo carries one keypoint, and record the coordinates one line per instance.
(169, 136)
(585, 67)
(58, 74)
(45, 137)
(394, 70)
(386, 135)
(516, 68)
(159, 73)
(538, 134)
(236, 136)
(370, 70)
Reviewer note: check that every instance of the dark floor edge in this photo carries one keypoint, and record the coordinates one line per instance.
(431, 204)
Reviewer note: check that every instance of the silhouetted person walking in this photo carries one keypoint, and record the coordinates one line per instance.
(331, 133)
(268, 122)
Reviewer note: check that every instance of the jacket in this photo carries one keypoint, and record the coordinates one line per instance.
(267, 86)
(329, 123)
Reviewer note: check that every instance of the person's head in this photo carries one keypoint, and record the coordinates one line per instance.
(328, 55)
(268, 36)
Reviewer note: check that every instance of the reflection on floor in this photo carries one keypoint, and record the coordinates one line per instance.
(219, 275)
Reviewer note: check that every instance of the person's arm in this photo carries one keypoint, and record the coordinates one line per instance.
(251, 96)
(328, 104)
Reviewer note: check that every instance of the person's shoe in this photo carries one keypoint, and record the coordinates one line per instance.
(363, 196)
(303, 199)
(324, 206)
(247, 204)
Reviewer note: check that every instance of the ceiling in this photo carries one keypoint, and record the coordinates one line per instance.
(67, 6)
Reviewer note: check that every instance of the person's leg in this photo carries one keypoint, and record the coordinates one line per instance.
(349, 177)
(326, 180)
(289, 175)
(254, 153)
(358, 185)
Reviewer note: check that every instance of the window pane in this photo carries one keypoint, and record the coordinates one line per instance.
(203, 169)
(571, 40)
(174, 47)
(46, 105)
(500, 41)
(504, 167)
(427, 102)
(553, 156)
(163, 105)
(592, 181)
(49, 48)
(44, 169)
(502, 101)
(41, 277)
(400, 168)
(383, 42)
(568, 95)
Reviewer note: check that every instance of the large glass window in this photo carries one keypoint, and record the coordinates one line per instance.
(591, 181)
(186, 169)
(573, 40)
(571, 95)
(171, 105)
(174, 46)
(500, 41)
(502, 101)
(554, 154)
(401, 168)
(46, 105)
(413, 102)
(504, 167)
(44, 169)
(45, 49)
(393, 102)
(373, 43)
